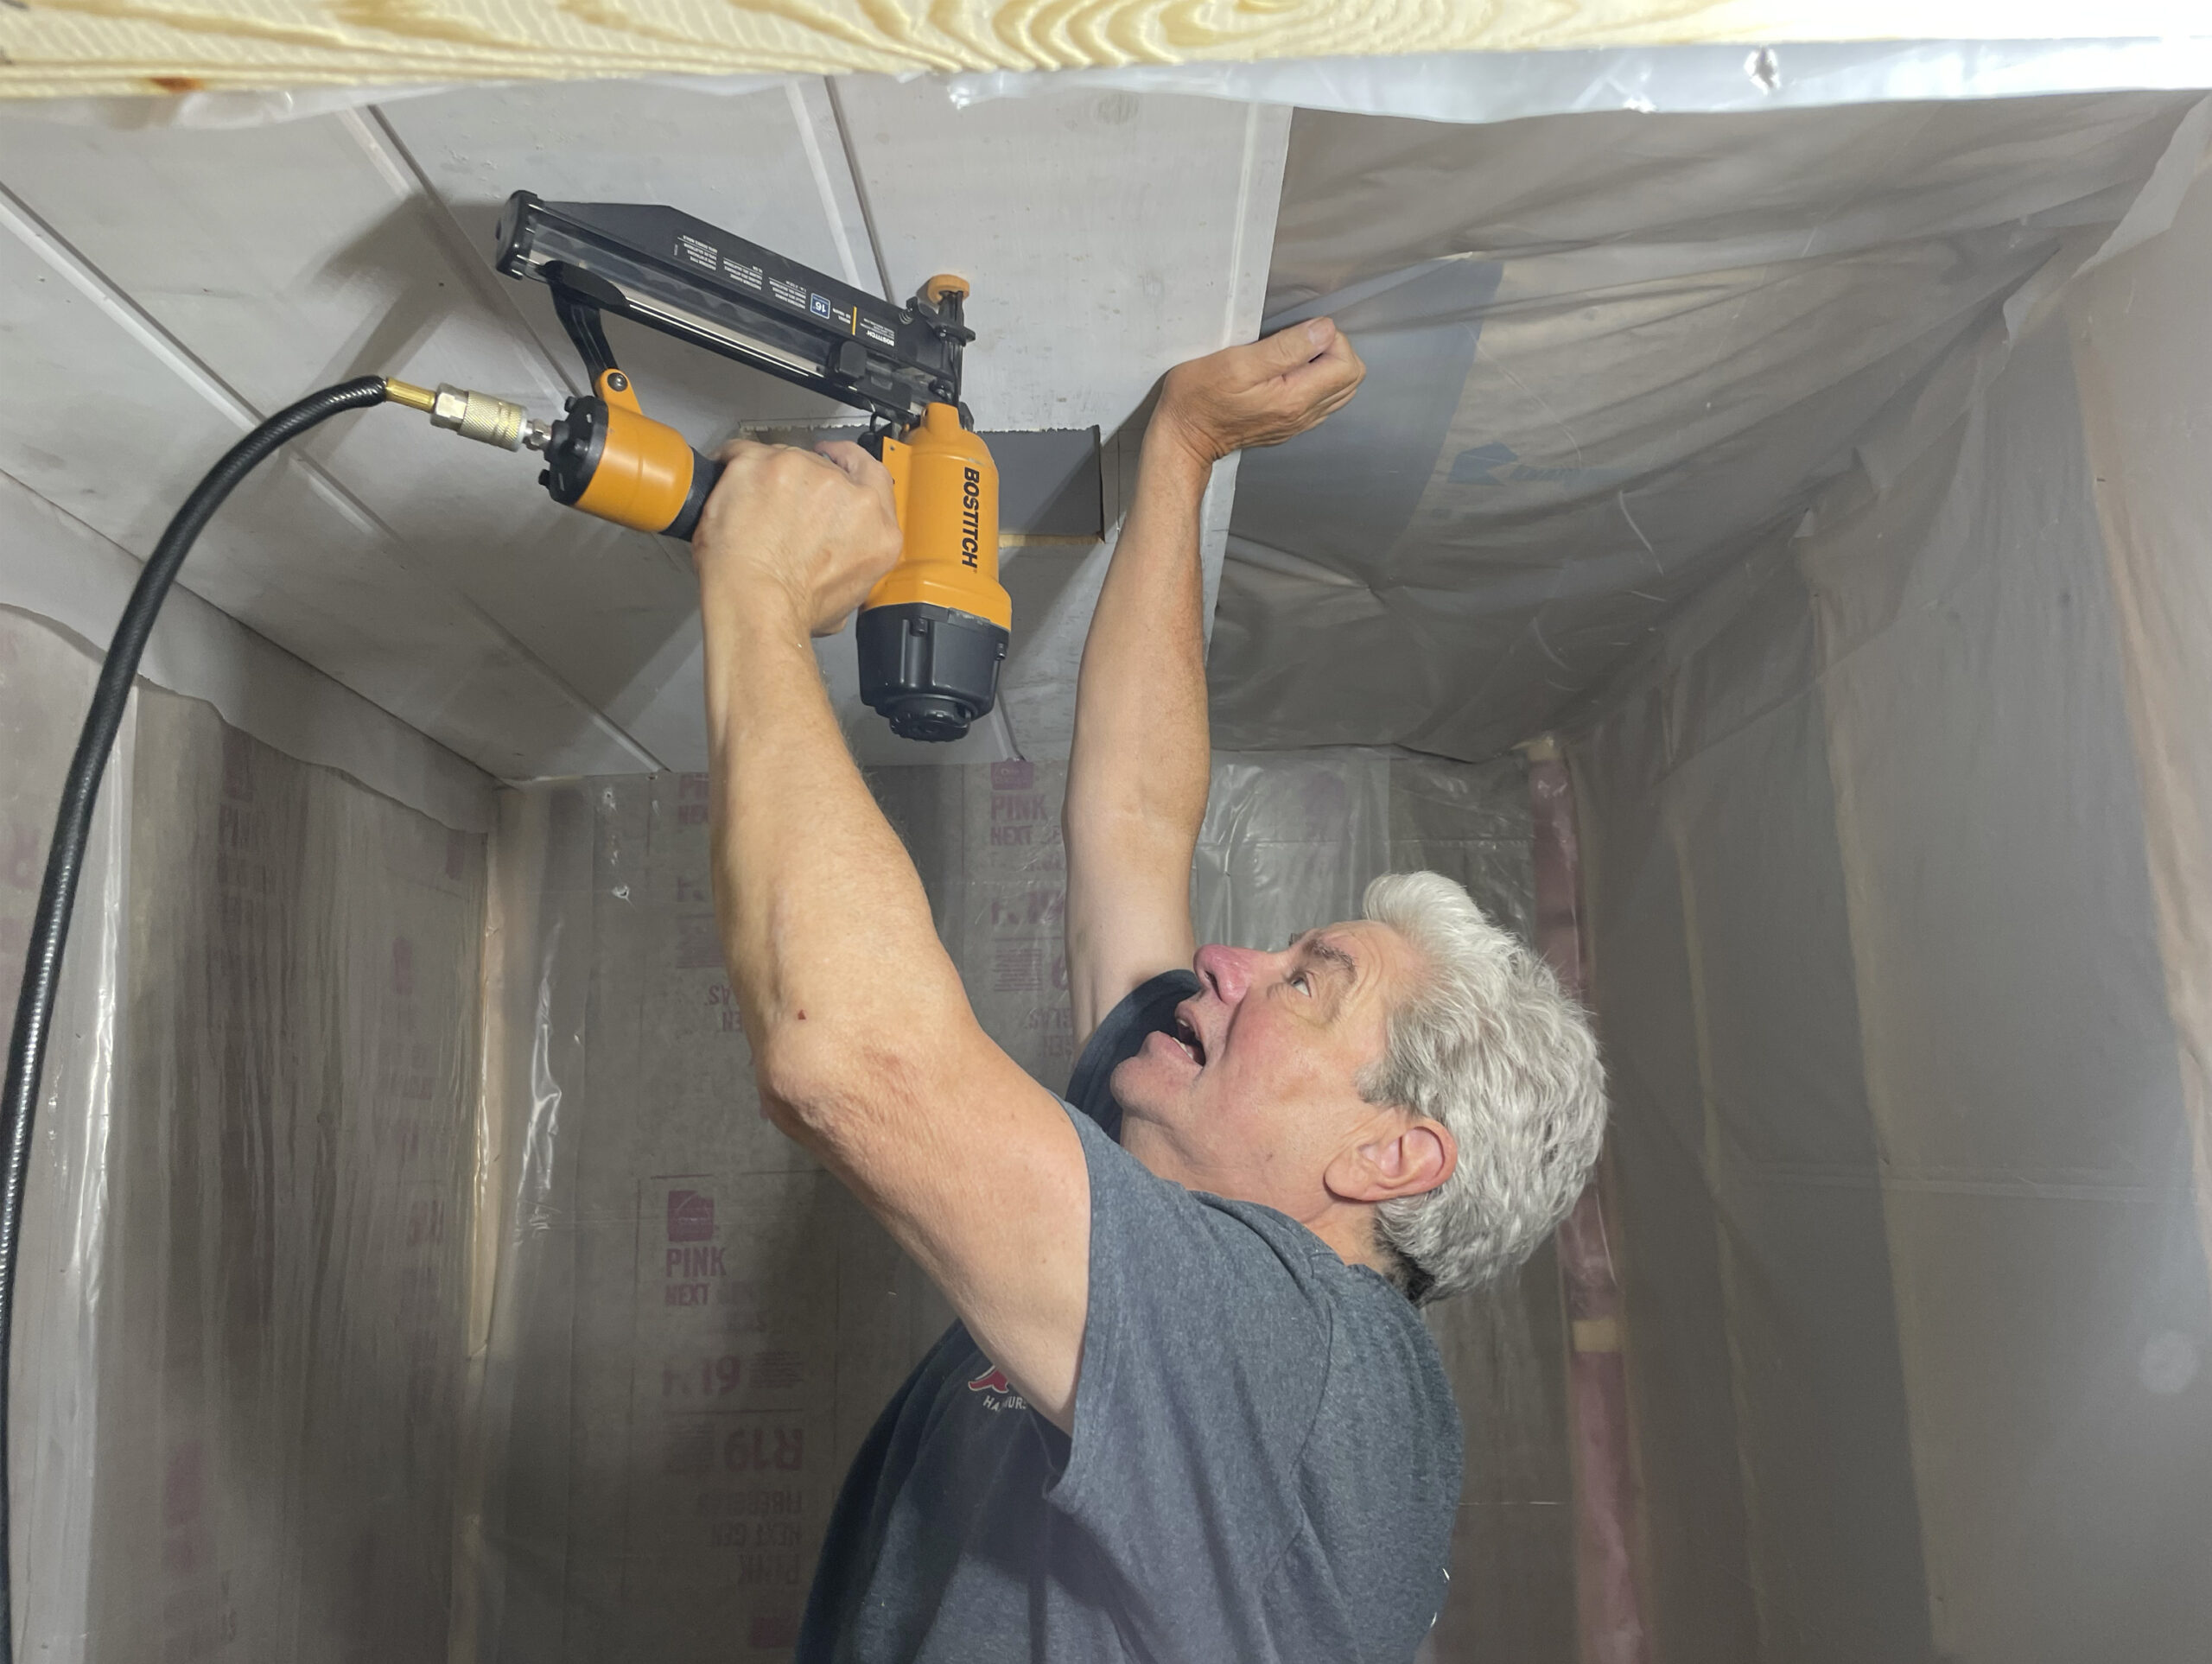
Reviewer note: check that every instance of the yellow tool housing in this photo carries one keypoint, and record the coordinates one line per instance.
(948, 492)
(934, 630)
(608, 458)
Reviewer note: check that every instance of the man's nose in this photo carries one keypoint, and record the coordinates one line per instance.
(1226, 971)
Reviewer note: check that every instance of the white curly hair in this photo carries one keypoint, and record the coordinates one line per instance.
(1494, 1048)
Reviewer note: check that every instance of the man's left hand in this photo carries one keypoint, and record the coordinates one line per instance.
(1261, 393)
(815, 528)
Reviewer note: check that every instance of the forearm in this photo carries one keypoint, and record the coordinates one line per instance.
(1141, 757)
(862, 1038)
(1141, 747)
(832, 951)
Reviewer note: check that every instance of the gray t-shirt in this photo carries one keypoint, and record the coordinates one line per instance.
(1264, 1467)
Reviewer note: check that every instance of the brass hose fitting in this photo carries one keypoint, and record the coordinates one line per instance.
(473, 415)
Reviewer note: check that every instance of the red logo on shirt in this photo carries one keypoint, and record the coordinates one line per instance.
(998, 1392)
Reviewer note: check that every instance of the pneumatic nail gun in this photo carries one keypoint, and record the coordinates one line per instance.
(933, 633)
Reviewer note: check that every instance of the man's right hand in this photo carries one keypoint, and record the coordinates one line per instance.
(1261, 393)
(815, 528)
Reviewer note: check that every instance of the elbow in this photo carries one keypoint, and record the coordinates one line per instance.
(817, 1080)
(790, 1116)
(833, 1086)
(802, 1080)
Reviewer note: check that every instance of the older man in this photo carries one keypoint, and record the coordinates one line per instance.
(1190, 1410)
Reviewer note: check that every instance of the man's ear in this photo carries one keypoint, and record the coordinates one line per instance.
(1405, 1155)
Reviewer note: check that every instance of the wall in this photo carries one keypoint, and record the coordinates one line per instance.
(240, 1372)
(1762, 1348)
(2142, 343)
(1899, 961)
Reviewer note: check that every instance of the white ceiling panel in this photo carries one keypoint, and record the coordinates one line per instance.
(616, 611)
(1102, 232)
(767, 165)
(183, 282)
(186, 287)
(126, 428)
(284, 259)
(95, 422)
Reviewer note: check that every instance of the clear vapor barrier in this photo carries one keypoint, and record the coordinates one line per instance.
(240, 1366)
(1898, 873)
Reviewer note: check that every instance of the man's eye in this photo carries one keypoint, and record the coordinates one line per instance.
(1302, 982)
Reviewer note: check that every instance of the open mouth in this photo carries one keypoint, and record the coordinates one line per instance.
(1186, 1034)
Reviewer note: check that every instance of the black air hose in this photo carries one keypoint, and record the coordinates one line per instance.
(64, 857)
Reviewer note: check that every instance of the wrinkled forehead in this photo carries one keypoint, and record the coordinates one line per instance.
(1385, 962)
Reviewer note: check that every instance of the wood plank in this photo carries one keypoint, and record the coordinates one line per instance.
(137, 46)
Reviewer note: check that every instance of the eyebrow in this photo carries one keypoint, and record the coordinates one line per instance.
(1320, 947)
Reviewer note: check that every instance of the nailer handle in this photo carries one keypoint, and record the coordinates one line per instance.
(705, 470)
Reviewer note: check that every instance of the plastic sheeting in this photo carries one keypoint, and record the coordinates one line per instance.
(55, 568)
(240, 1371)
(693, 1326)
(55, 1378)
(1893, 855)
(1453, 86)
(1484, 86)
(1608, 354)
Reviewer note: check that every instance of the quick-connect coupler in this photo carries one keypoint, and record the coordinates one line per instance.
(473, 416)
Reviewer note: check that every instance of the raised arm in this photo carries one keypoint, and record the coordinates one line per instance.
(1141, 757)
(865, 1046)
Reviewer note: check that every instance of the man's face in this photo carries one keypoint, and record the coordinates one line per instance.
(1255, 1093)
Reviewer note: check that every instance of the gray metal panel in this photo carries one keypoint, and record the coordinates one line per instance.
(1049, 483)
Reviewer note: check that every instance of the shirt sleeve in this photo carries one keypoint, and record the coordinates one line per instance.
(1148, 1009)
(1205, 1355)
